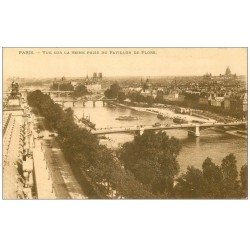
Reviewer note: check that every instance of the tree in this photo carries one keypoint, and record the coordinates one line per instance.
(113, 91)
(190, 185)
(150, 100)
(121, 96)
(212, 180)
(230, 177)
(151, 157)
(244, 181)
(80, 90)
(145, 86)
(66, 86)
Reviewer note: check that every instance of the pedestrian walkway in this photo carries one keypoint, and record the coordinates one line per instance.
(65, 184)
(44, 183)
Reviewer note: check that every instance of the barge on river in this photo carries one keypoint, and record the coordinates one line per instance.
(126, 118)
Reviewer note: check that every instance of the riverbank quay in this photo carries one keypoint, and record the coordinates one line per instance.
(167, 112)
(65, 185)
(239, 133)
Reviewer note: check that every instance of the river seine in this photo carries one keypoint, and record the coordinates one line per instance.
(212, 143)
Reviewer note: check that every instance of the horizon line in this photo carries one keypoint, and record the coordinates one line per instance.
(139, 76)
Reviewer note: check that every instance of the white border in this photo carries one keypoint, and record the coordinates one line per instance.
(124, 224)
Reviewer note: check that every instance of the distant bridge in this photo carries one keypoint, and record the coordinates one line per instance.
(193, 129)
(43, 91)
(73, 100)
(84, 100)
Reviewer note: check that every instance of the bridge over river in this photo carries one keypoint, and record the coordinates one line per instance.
(58, 92)
(192, 128)
(83, 100)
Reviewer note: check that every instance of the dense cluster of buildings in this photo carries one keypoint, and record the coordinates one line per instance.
(93, 84)
(226, 91)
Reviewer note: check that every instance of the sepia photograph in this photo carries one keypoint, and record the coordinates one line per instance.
(124, 123)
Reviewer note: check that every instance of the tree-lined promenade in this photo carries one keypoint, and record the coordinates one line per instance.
(94, 165)
(144, 168)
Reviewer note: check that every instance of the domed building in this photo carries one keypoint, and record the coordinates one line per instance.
(228, 71)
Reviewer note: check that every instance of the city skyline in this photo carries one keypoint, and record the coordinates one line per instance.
(116, 63)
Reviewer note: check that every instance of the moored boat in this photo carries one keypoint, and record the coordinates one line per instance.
(87, 123)
(161, 117)
(126, 118)
(179, 120)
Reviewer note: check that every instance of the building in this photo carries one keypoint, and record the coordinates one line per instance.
(227, 103)
(172, 96)
(244, 102)
(13, 102)
(146, 93)
(228, 75)
(137, 90)
(181, 98)
(205, 99)
(207, 76)
(12, 156)
(181, 110)
(100, 76)
(96, 87)
(228, 71)
(159, 94)
(217, 101)
(62, 84)
(236, 103)
(74, 84)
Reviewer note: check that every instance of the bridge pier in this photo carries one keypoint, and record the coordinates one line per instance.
(194, 131)
(93, 103)
(73, 104)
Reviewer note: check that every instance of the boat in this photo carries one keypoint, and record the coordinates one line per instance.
(103, 137)
(161, 117)
(87, 123)
(126, 118)
(157, 124)
(179, 120)
(196, 121)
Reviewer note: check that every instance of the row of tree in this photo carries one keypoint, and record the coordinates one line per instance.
(152, 159)
(115, 91)
(78, 91)
(213, 182)
(88, 159)
(64, 86)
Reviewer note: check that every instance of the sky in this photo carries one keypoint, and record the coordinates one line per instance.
(79, 62)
